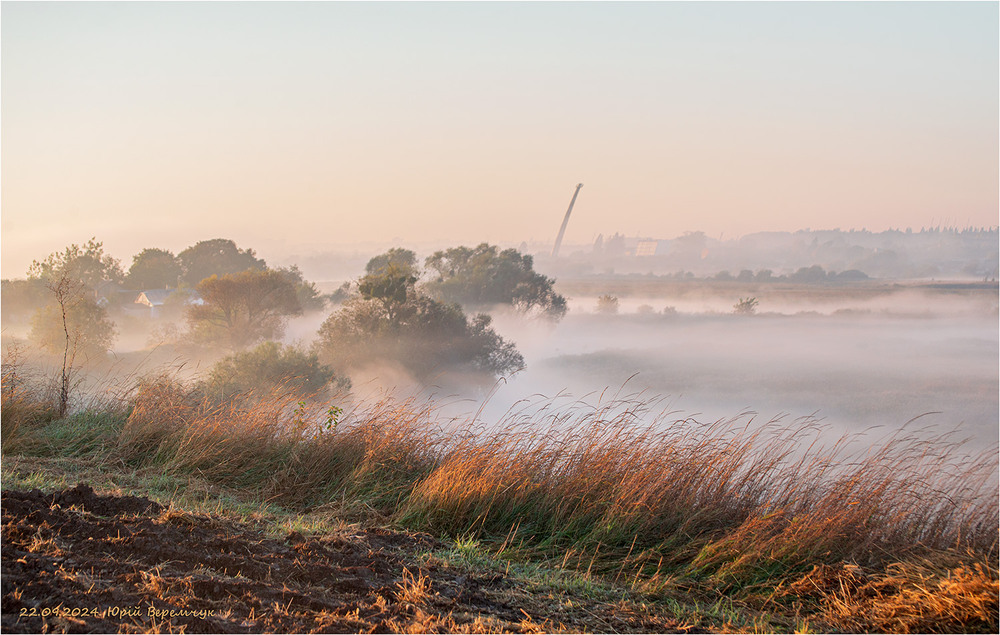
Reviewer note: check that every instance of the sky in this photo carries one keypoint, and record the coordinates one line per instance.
(298, 127)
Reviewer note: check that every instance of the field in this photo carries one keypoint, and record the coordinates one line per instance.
(264, 515)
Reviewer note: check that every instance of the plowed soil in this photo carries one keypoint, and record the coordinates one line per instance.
(75, 561)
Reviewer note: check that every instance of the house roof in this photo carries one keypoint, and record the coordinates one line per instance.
(153, 297)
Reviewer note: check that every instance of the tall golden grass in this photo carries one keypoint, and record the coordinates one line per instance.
(615, 488)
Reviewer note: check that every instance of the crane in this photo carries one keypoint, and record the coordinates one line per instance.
(562, 230)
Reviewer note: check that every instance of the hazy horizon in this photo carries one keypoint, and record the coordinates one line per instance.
(290, 125)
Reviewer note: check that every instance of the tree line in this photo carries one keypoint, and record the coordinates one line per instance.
(229, 299)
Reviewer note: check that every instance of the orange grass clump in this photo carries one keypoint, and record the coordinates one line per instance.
(912, 597)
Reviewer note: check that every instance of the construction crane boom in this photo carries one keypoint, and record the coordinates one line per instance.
(562, 230)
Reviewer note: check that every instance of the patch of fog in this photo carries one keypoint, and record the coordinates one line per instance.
(854, 372)
(904, 301)
(855, 363)
(304, 328)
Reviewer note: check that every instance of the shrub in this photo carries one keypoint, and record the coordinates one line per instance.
(607, 304)
(271, 367)
(746, 306)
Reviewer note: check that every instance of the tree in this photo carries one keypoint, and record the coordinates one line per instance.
(307, 293)
(404, 260)
(390, 286)
(268, 367)
(391, 320)
(216, 257)
(154, 269)
(746, 306)
(242, 308)
(607, 304)
(90, 331)
(87, 264)
(73, 322)
(486, 276)
(809, 275)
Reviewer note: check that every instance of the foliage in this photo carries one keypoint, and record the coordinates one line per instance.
(88, 264)
(809, 275)
(216, 257)
(404, 260)
(392, 321)
(746, 306)
(390, 286)
(307, 293)
(271, 367)
(21, 298)
(342, 293)
(607, 304)
(154, 268)
(91, 332)
(486, 276)
(242, 308)
(73, 322)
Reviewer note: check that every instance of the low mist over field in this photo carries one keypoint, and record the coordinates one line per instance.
(857, 356)
(500, 316)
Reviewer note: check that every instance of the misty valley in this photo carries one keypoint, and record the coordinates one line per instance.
(734, 430)
(856, 353)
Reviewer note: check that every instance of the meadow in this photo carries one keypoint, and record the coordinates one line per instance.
(793, 532)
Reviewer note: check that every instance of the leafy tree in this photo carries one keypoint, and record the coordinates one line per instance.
(154, 269)
(486, 276)
(268, 367)
(607, 304)
(746, 306)
(242, 308)
(87, 329)
(404, 260)
(72, 322)
(811, 274)
(307, 293)
(216, 257)
(342, 293)
(87, 264)
(390, 286)
(392, 320)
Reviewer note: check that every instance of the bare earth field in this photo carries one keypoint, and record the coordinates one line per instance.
(77, 562)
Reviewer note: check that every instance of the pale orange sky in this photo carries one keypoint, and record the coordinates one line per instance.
(296, 126)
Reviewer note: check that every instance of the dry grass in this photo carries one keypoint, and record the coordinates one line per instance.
(276, 445)
(413, 588)
(914, 597)
(25, 405)
(615, 490)
(728, 499)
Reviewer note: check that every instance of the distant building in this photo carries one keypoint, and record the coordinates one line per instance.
(646, 248)
(154, 299)
(650, 247)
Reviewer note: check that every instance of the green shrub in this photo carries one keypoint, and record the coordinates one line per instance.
(271, 367)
